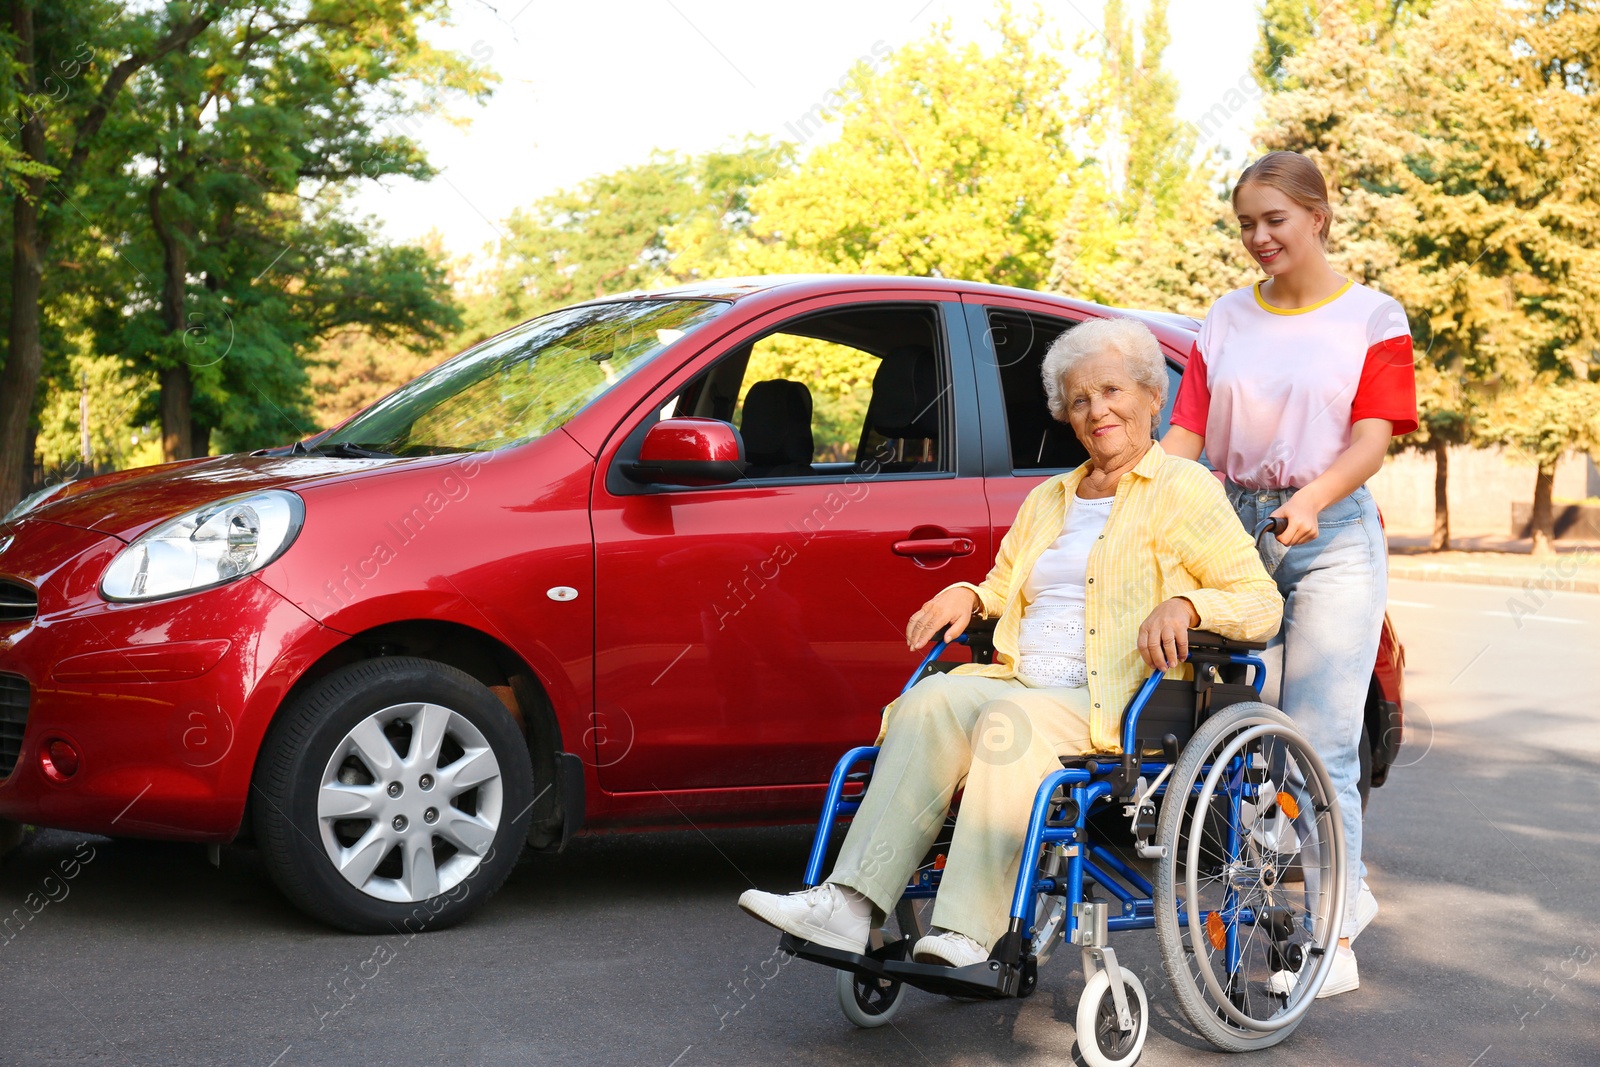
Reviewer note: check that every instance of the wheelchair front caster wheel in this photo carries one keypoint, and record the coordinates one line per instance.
(869, 1002)
(1101, 1041)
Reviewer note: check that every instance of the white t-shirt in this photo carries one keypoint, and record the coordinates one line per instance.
(1275, 391)
(1050, 647)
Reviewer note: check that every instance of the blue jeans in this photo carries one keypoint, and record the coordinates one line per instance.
(1320, 665)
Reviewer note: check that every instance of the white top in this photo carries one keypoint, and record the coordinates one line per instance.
(1275, 391)
(1050, 647)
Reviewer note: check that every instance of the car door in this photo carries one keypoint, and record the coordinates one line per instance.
(1023, 442)
(747, 634)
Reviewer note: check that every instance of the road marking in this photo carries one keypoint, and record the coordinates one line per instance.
(1532, 616)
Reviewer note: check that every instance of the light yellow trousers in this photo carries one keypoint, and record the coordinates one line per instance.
(1002, 738)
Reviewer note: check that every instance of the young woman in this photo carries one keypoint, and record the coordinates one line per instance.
(1293, 389)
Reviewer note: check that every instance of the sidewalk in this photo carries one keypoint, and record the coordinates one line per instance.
(1498, 561)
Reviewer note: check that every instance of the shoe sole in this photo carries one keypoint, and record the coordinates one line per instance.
(934, 958)
(1330, 989)
(804, 931)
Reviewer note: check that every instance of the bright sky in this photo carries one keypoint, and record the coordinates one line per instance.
(590, 87)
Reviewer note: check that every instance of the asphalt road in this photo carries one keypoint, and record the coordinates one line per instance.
(1482, 851)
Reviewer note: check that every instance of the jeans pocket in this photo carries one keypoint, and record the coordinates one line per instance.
(1343, 512)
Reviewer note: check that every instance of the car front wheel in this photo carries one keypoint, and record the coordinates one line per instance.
(394, 795)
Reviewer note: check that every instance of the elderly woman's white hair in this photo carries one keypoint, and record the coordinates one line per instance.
(1129, 338)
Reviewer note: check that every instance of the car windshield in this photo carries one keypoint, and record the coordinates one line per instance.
(519, 385)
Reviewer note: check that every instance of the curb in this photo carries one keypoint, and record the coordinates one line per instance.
(1545, 582)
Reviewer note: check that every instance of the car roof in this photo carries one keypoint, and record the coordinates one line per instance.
(1175, 329)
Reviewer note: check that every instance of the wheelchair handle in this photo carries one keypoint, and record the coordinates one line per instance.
(1275, 525)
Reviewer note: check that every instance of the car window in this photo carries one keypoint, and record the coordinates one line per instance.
(1039, 442)
(523, 383)
(833, 394)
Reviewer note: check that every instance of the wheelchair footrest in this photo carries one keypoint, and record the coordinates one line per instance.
(869, 964)
(989, 980)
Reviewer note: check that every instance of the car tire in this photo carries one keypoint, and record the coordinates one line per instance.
(392, 796)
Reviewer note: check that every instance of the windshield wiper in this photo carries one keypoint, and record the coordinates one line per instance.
(346, 450)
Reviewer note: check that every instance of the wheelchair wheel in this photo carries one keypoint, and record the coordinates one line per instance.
(869, 1002)
(1101, 1041)
(1246, 949)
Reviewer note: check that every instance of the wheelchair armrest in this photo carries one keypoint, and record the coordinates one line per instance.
(1207, 640)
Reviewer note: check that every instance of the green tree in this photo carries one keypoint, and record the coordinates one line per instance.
(243, 147)
(69, 66)
(951, 161)
(1148, 226)
(1455, 139)
(610, 233)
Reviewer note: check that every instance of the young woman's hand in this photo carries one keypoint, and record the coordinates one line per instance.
(1300, 512)
(1164, 636)
(950, 611)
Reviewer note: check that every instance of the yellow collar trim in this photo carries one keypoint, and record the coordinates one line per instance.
(1300, 311)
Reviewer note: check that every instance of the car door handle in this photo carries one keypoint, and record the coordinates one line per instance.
(935, 546)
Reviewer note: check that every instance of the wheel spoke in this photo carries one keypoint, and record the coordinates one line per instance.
(467, 832)
(428, 730)
(474, 768)
(421, 875)
(374, 749)
(337, 801)
(359, 861)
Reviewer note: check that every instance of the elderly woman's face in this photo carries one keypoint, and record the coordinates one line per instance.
(1109, 411)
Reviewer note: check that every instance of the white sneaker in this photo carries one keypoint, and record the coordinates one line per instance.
(949, 947)
(1274, 834)
(1366, 910)
(1342, 979)
(823, 915)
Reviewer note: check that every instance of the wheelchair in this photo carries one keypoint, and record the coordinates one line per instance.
(1217, 827)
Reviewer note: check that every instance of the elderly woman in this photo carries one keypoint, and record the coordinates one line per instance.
(1099, 580)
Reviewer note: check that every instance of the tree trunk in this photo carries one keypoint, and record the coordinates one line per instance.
(1441, 498)
(19, 379)
(177, 390)
(1544, 521)
(177, 387)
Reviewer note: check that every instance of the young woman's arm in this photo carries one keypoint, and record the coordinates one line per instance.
(1369, 442)
(1183, 443)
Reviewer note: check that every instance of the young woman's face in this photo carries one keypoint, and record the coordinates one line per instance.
(1277, 232)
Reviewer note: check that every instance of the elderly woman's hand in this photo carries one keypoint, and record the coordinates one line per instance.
(950, 611)
(1164, 636)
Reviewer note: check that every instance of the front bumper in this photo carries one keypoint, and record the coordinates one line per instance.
(164, 702)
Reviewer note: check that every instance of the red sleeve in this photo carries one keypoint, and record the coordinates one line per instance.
(1193, 404)
(1388, 387)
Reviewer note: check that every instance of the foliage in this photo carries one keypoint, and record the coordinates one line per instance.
(609, 235)
(1148, 227)
(245, 145)
(951, 161)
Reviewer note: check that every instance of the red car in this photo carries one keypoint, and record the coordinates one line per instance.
(614, 569)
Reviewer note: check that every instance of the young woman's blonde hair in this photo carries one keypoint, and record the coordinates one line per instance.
(1296, 177)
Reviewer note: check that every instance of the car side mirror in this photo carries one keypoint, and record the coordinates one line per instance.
(688, 451)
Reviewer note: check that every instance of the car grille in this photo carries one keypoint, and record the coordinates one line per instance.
(18, 603)
(14, 697)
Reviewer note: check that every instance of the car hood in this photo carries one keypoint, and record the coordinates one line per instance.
(127, 503)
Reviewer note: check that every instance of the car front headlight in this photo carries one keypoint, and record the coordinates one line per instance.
(205, 547)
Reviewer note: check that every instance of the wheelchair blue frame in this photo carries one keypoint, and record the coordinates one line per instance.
(1091, 861)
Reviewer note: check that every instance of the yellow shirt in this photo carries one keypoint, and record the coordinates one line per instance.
(1171, 533)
